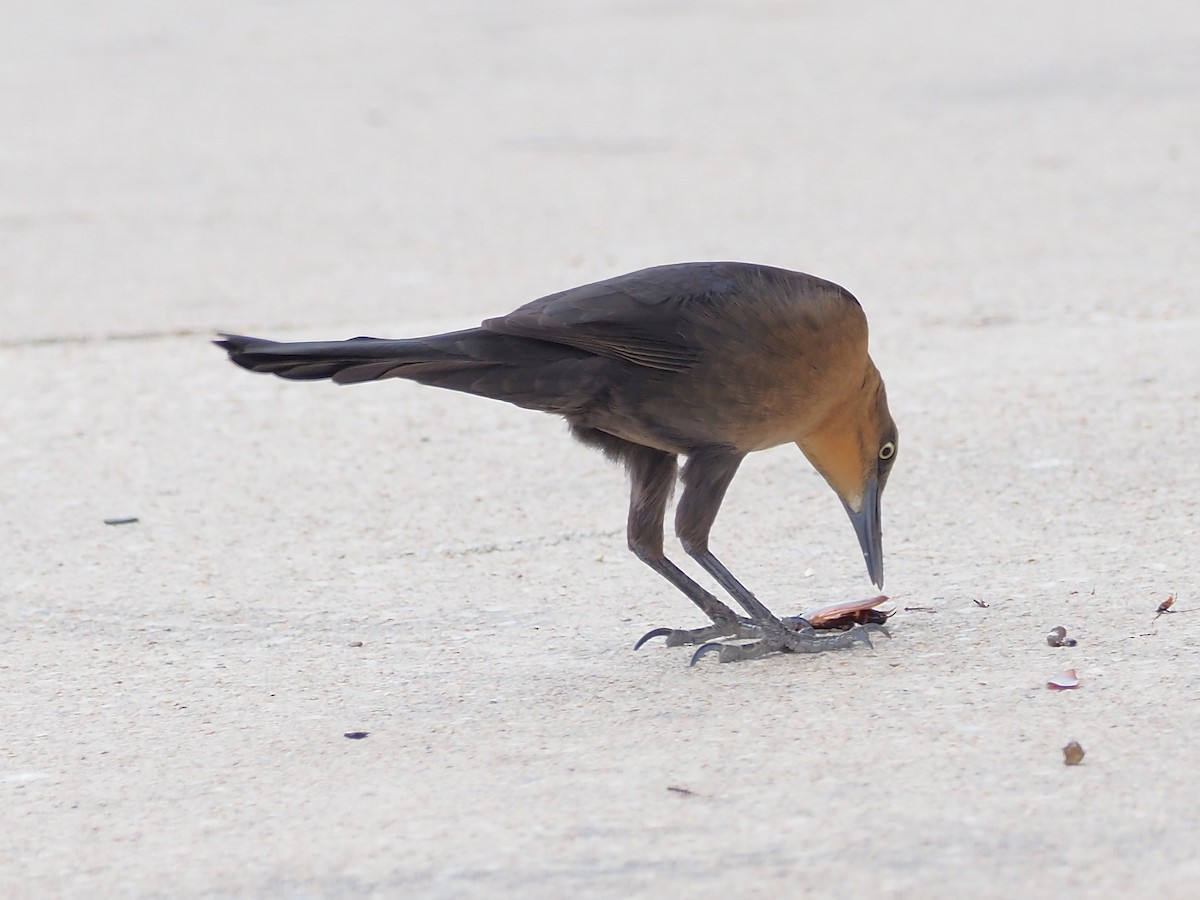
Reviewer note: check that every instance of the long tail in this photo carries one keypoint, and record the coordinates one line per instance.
(530, 373)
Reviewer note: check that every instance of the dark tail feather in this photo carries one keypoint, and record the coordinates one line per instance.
(346, 362)
(530, 373)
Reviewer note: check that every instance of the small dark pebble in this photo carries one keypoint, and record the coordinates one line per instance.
(128, 520)
(354, 644)
(356, 735)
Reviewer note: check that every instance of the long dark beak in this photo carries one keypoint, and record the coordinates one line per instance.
(869, 528)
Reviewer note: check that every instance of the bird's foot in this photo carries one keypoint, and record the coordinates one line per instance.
(741, 629)
(796, 637)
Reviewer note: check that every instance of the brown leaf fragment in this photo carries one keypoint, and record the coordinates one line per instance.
(1072, 754)
(1166, 605)
(1063, 681)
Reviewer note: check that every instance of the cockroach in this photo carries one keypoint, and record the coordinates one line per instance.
(848, 613)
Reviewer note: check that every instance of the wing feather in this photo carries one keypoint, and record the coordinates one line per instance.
(635, 317)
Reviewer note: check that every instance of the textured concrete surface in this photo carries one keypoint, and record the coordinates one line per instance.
(1011, 191)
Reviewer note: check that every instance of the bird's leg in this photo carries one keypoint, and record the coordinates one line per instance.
(726, 623)
(706, 477)
(652, 476)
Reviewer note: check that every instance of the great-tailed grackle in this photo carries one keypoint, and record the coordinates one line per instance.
(709, 361)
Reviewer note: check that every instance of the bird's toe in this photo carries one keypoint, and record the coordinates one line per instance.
(738, 652)
(740, 629)
(810, 640)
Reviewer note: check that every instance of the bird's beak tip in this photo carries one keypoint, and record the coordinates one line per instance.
(866, 521)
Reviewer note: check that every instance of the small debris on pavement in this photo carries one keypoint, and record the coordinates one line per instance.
(1058, 638)
(1063, 681)
(1072, 754)
(121, 520)
(356, 735)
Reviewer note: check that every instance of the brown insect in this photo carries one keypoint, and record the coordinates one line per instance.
(1166, 605)
(848, 613)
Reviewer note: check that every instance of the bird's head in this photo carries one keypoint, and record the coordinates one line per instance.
(854, 449)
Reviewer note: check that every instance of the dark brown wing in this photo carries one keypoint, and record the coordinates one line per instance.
(644, 317)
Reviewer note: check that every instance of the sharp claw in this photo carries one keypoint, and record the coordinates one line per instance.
(653, 633)
(865, 637)
(862, 633)
(706, 648)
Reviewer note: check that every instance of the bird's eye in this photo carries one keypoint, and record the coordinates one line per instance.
(887, 451)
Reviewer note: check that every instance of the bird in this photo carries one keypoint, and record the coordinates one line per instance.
(704, 362)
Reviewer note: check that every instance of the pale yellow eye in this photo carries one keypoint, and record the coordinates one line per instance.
(887, 451)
